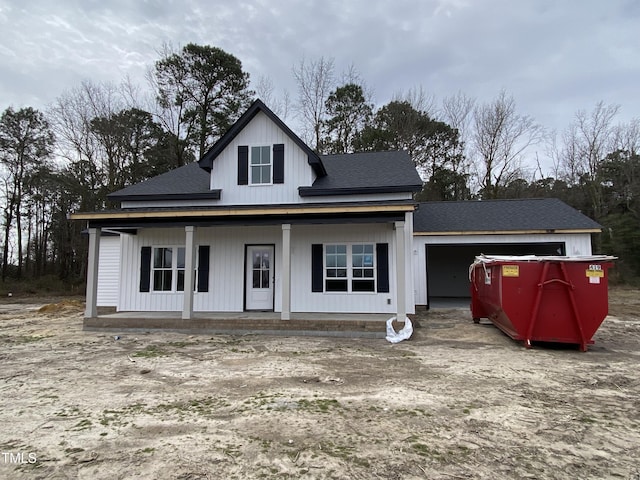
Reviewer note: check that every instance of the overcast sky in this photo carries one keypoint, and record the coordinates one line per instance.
(554, 56)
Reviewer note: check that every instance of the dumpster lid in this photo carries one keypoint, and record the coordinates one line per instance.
(487, 259)
(543, 258)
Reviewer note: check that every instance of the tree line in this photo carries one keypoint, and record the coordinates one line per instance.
(99, 137)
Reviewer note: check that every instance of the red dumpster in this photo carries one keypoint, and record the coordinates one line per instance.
(545, 299)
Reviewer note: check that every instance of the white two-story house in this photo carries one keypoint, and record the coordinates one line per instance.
(266, 224)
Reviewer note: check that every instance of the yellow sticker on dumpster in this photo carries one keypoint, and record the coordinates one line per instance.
(511, 270)
(595, 271)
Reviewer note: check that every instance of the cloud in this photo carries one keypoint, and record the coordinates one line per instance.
(554, 57)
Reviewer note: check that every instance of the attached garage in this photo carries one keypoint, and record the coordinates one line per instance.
(448, 264)
(448, 236)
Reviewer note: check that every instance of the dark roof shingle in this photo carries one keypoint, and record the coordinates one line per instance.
(377, 172)
(189, 179)
(500, 215)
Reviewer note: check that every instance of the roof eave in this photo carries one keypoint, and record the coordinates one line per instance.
(317, 192)
(208, 195)
(508, 232)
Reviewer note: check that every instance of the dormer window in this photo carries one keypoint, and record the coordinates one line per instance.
(260, 165)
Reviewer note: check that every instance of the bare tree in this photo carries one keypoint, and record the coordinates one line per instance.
(265, 91)
(627, 137)
(552, 150)
(419, 99)
(132, 95)
(353, 76)
(457, 111)
(26, 142)
(586, 143)
(93, 151)
(500, 139)
(315, 80)
(70, 117)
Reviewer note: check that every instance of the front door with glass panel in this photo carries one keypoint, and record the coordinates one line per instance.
(259, 285)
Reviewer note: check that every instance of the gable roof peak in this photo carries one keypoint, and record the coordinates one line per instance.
(206, 162)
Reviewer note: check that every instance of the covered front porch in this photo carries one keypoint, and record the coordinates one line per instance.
(219, 244)
(362, 325)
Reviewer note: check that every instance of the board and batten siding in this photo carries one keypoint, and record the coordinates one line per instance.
(108, 271)
(261, 131)
(227, 268)
(226, 290)
(304, 300)
(575, 244)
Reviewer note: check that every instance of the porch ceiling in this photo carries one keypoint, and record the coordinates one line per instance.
(244, 210)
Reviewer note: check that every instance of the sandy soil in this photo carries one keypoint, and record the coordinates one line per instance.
(458, 401)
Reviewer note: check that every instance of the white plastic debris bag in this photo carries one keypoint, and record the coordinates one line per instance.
(404, 334)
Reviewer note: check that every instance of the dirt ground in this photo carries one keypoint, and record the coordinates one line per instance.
(458, 401)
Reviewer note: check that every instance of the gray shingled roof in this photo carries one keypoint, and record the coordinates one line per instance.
(367, 171)
(351, 173)
(189, 179)
(500, 215)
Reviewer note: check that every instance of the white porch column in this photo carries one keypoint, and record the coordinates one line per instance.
(189, 268)
(408, 244)
(91, 310)
(401, 276)
(285, 314)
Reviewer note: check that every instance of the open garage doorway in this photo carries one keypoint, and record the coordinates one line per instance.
(448, 266)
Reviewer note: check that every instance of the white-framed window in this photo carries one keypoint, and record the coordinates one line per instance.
(349, 268)
(336, 279)
(162, 268)
(260, 166)
(167, 269)
(363, 269)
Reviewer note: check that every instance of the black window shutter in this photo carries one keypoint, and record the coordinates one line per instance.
(382, 267)
(316, 267)
(243, 165)
(145, 269)
(278, 163)
(203, 268)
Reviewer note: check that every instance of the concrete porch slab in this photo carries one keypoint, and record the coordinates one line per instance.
(243, 323)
